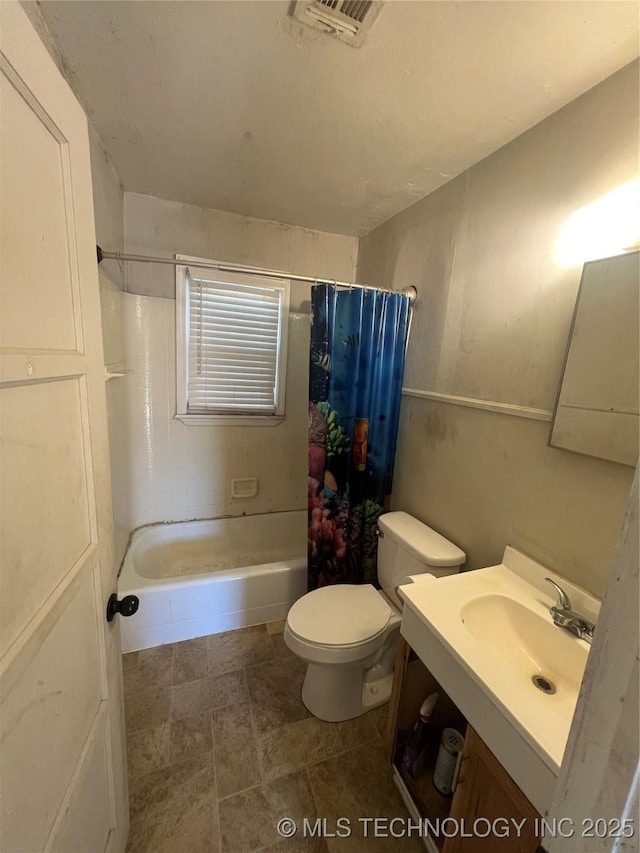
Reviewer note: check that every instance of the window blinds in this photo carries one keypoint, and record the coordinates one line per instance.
(235, 337)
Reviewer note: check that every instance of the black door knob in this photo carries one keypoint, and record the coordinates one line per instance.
(127, 607)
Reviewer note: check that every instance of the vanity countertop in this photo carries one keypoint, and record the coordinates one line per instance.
(485, 635)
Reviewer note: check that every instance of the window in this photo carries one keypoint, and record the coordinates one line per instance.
(231, 346)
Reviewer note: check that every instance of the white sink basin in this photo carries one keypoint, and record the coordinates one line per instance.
(528, 643)
(486, 635)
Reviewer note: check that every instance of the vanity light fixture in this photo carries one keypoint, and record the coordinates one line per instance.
(606, 227)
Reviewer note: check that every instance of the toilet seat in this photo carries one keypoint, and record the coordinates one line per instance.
(342, 615)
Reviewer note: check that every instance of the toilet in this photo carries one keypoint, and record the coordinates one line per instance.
(347, 634)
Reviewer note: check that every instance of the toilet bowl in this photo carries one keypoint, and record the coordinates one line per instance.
(347, 634)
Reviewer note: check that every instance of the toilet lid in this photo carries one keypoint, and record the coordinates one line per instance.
(339, 615)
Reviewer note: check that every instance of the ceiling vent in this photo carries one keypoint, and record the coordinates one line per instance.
(348, 20)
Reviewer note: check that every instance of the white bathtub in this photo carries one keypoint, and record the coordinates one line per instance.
(196, 578)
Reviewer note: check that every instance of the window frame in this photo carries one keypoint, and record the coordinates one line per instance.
(182, 346)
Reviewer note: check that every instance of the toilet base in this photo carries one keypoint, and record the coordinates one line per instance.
(338, 693)
(376, 693)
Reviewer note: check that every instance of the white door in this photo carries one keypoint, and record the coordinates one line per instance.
(62, 761)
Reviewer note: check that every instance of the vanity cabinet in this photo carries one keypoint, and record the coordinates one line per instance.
(484, 788)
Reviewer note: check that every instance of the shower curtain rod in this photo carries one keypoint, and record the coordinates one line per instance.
(410, 291)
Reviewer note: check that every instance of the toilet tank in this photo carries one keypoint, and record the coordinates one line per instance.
(406, 547)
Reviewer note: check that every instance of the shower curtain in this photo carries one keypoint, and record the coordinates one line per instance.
(358, 340)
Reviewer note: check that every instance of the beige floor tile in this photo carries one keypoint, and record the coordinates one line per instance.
(129, 663)
(276, 632)
(235, 750)
(379, 718)
(297, 844)
(248, 820)
(147, 668)
(147, 750)
(218, 723)
(296, 745)
(359, 731)
(280, 648)
(274, 688)
(234, 649)
(206, 694)
(147, 707)
(174, 810)
(190, 660)
(358, 784)
(190, 737)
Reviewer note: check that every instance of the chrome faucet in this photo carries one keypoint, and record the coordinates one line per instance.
(564, 617)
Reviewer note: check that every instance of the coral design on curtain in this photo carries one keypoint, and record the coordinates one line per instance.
(358, 341)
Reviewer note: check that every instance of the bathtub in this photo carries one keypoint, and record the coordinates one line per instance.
(196, 578)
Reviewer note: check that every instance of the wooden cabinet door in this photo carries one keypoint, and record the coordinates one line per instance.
(486, 791)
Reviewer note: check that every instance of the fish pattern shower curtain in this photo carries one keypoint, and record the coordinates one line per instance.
(358, 342)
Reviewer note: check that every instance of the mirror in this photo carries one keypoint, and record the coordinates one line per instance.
(596, 410)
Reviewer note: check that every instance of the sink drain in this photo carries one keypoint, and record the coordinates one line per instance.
(544, 684)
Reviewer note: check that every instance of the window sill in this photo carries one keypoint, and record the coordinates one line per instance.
(231, 420)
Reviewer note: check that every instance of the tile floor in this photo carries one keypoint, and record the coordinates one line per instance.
(221, 748)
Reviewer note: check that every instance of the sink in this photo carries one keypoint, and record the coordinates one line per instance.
(528, 644)
(489, 640)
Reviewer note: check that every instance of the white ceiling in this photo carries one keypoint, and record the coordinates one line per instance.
(235, 106)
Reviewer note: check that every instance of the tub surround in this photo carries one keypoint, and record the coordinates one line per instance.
(163, 470)
(172, 472)
(112, 303)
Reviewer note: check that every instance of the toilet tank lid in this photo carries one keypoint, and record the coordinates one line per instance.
(420, 541)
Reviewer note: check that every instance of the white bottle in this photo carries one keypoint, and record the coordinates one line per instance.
(443, 775)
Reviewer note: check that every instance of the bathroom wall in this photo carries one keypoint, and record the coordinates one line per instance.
(157, 227)
(108, 206)
(491, 324)
(175, 472)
